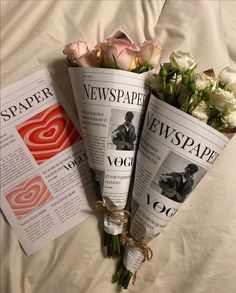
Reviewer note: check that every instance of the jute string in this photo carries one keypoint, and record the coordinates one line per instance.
(120, 214)
(147, 251)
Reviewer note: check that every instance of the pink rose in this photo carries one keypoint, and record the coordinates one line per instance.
(89, 59)
(75, 50)
(118, 53)
(150, 54)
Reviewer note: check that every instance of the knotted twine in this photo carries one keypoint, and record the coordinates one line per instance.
(120, 214)
(123, 216)
(141, 244)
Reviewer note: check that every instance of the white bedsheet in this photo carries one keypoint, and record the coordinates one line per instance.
(196, 252)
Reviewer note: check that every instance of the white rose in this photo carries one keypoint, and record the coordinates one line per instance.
(201, 112)
(222, 99)
(231, 119)
(182, 60)
(228, 77)
(203, 81)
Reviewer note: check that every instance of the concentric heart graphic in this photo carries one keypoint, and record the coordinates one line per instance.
(28, 196)
(48, 133)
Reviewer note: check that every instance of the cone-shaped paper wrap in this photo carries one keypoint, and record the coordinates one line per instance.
(175, 151)
(111, 106)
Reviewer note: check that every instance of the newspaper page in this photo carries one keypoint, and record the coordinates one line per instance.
(175, 152)
(110, 105)
(46, 186)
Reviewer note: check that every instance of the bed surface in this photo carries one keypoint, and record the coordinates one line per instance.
(196, 252)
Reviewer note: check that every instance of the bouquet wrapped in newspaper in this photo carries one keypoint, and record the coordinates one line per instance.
(110, 91)
(180, 141)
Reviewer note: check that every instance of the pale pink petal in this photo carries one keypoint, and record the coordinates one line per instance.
(108, 55)
(150, 54)
(121, 44)
(75, 50)
(89, 59)
(146, 52)
(126, 58)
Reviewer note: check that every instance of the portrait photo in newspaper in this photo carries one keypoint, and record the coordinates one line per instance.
(177, 177)
(123, 130)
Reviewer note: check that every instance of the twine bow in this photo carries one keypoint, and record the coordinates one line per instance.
(120, 214)
(147, 251)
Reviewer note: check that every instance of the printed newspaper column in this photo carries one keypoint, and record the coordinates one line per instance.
(175, 152)
(46, 187)
(110, 105)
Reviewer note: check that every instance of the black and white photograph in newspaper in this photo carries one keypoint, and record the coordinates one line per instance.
(123, 129)
(177, 177)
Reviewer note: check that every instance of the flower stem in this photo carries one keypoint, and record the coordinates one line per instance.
(123, 276)
(113, 244)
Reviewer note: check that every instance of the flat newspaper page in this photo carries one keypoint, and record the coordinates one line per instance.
(46, 185)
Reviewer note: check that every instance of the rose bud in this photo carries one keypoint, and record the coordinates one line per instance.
(182, 60)
(150, 54)
(222, 99)
(75, 50)
(118, 54)
(89, 59)
(228, 77)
